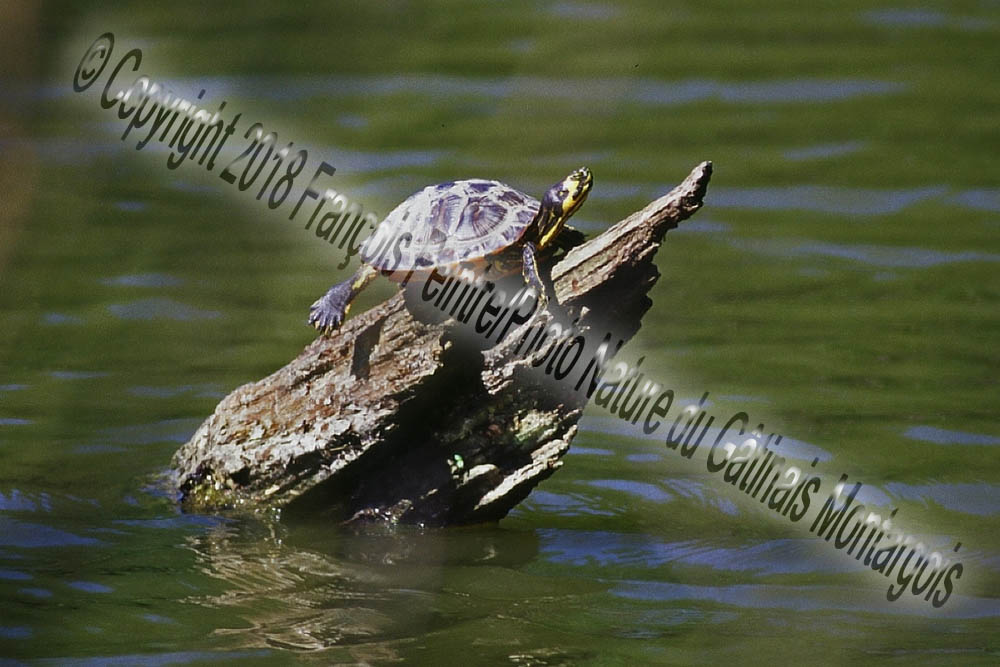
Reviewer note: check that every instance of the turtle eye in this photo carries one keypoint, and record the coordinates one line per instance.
(563, 193)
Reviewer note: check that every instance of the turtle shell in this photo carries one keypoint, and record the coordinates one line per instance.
(449, 223)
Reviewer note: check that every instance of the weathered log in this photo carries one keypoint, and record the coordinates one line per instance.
(403, 418)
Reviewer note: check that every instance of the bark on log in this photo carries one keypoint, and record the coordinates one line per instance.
(398, 418)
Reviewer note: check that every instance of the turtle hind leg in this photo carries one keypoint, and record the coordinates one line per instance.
(329, 311)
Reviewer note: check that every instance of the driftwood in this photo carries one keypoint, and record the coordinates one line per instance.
(403, 418)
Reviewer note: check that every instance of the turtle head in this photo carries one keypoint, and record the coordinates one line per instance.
(560, 202)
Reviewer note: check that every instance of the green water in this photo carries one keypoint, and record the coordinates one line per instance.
(840, 286)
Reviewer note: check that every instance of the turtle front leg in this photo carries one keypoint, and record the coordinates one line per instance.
(329, 311)
(530, 270)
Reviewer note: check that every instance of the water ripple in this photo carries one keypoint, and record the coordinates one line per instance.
(802, 598)
(148, 309)
(378, 161)
(883, 256)
(969, 498)
(563, 504)
(644, 490)
(17, 502)
(941, 436)
(590, 451)
(166, 430)
(642, 91)
(788, 447)
(822, 151)
(892, 17)
(585, 11)
(77, 375)
(14, 575)
(90, 587)
(61, 318)
(33, 535)
(159, 659)
(604, 548)
(905, 17)
(824, 199)
(984, 200)
(143, 280)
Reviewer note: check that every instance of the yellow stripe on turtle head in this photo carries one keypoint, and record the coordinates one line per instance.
(571, 193)
(577, 186)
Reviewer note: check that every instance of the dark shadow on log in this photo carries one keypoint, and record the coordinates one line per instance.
(424, 420)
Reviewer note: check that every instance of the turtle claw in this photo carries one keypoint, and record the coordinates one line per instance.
(324, 321)
(322, 325)
(328, 312)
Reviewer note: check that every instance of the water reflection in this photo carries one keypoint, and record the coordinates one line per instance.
(313, 586)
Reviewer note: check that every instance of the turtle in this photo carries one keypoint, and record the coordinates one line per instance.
(481, 224)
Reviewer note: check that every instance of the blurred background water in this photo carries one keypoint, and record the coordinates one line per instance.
(840, 285)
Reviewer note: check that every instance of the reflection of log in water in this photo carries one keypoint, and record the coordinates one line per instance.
(406, 420)
(358, 596)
